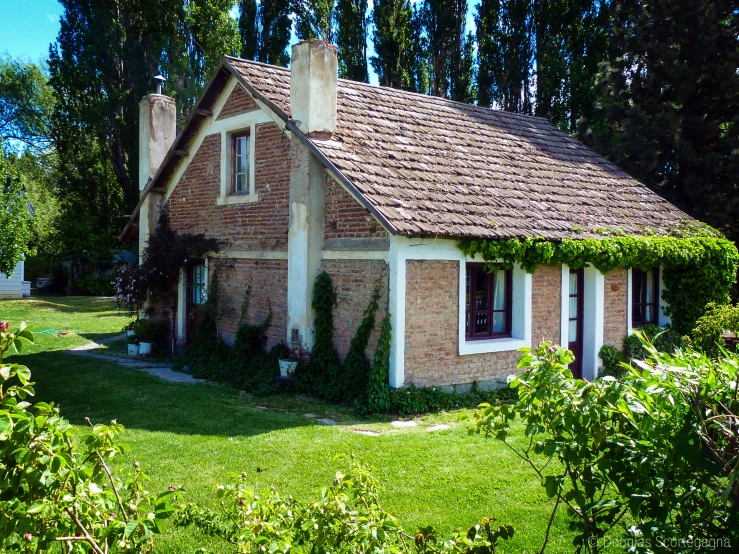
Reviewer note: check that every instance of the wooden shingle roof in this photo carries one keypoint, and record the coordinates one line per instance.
(434, 167)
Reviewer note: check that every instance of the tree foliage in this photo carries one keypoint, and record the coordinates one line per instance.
(17, 222)
(264, 29)
(670, 95)
(393, 40)
(351, 39)
(26, 102)
(315, 19)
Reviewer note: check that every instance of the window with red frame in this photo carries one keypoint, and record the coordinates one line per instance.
(488, 303)
(644, 297)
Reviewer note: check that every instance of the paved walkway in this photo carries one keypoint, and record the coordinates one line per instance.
(157, 369)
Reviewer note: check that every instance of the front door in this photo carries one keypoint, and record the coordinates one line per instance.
(575, 328)
(196, 293)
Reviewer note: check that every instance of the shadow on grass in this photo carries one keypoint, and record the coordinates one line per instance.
(103, 391)
(72, 304)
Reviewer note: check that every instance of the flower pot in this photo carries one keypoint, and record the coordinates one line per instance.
(133, 349)
(144, 348)
(287, 367)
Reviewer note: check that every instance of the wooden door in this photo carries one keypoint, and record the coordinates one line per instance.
(196, 293)
(575, 329)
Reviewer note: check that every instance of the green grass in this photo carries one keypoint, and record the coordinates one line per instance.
(198, 435)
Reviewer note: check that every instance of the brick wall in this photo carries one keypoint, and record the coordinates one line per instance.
(261, 225)
(431, 331)
(268, 281)
(615, 307)
(237, 103)
(344, 217)
(546, 304)
(354, 282)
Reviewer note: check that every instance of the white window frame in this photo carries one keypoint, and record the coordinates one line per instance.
(227, 195)
(520, 315)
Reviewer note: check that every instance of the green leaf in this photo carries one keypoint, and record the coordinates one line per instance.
(130, 528)
(6, 424)
(23, 374)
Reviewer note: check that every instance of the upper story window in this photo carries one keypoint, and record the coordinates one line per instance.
(488, 304)
(199, 291)
(644, 297)
(241, 160)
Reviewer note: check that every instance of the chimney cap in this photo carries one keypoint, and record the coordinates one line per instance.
(159, 79)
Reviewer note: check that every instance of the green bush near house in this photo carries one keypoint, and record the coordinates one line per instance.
(707, 335)
(653, 456)
(93, 285)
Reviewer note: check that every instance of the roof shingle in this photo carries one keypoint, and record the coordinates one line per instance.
(434, 167)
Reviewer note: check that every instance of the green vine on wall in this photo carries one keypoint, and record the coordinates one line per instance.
(697, 269)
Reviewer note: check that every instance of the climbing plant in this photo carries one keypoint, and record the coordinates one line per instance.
(699, 266)
(356, 365)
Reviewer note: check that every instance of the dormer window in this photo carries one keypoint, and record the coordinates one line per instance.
(241, 162)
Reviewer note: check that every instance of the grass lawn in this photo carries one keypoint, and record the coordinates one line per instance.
(198, 435)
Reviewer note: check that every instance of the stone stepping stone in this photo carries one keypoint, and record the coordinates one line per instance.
(326, 421)
(366, 432)
(311, 416)
(403, 423)
(440, 427)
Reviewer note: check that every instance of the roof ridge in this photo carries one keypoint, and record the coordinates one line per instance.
(402, 92)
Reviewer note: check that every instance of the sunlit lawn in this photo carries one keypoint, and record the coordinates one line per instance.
(197, 435)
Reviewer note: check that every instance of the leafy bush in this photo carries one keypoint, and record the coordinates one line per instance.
(54, 489)
(706, 336)
(93, 285)
(345, 518)
(654, 454)
(664, 340)
(245, 365)
(165, 255)
(414, 400)
(148, 330)
(612, 360)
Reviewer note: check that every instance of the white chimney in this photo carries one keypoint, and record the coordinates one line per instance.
(157, 131)
(313, 76)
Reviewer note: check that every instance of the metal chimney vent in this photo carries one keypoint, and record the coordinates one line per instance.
(159, 80)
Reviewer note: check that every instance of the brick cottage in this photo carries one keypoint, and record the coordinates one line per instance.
(298, 172)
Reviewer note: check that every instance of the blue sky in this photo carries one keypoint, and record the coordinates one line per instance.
(27, 27)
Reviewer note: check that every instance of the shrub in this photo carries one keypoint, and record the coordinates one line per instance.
(56, 490)
(656, 449)
(612, 361)
(93, 285)
(345, 518)
(148, 330)
(664, 340)
(706, 336)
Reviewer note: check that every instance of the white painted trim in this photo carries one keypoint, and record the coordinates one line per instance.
(396, 299)
(403, 249)
(593, 321)
(245, 121)
(521, 316)
(238, 122)
(252, 254)
(181, 306)
(355, 255)
(564, 331)
(629, 307)
(662, 319)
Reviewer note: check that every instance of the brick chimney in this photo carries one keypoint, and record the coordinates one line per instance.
(157, 131)
(313, 76)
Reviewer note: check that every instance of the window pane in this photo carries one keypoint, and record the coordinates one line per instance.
(636, 313)
(498, 322)
(649, 314)
(572, 337)
(481, 290)
(650, 285)
(241, 182)
(467, 306)
(573, 306)
(481, 322)
(500, 292)
(636, 285)
(573, 283)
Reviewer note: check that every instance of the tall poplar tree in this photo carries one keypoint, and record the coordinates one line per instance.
(505, 54)
(444, 24)
(420, 63)
(265, 29)
(351, 39)
(315, 19)
(670, 97)
(393, 41)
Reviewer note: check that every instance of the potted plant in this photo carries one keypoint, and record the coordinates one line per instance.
(288, 365)
(146, 332)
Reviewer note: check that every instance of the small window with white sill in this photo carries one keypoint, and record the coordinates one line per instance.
(237, 167)
(240, 162)
(645, 297)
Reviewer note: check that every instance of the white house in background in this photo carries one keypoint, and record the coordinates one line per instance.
(15, 286)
